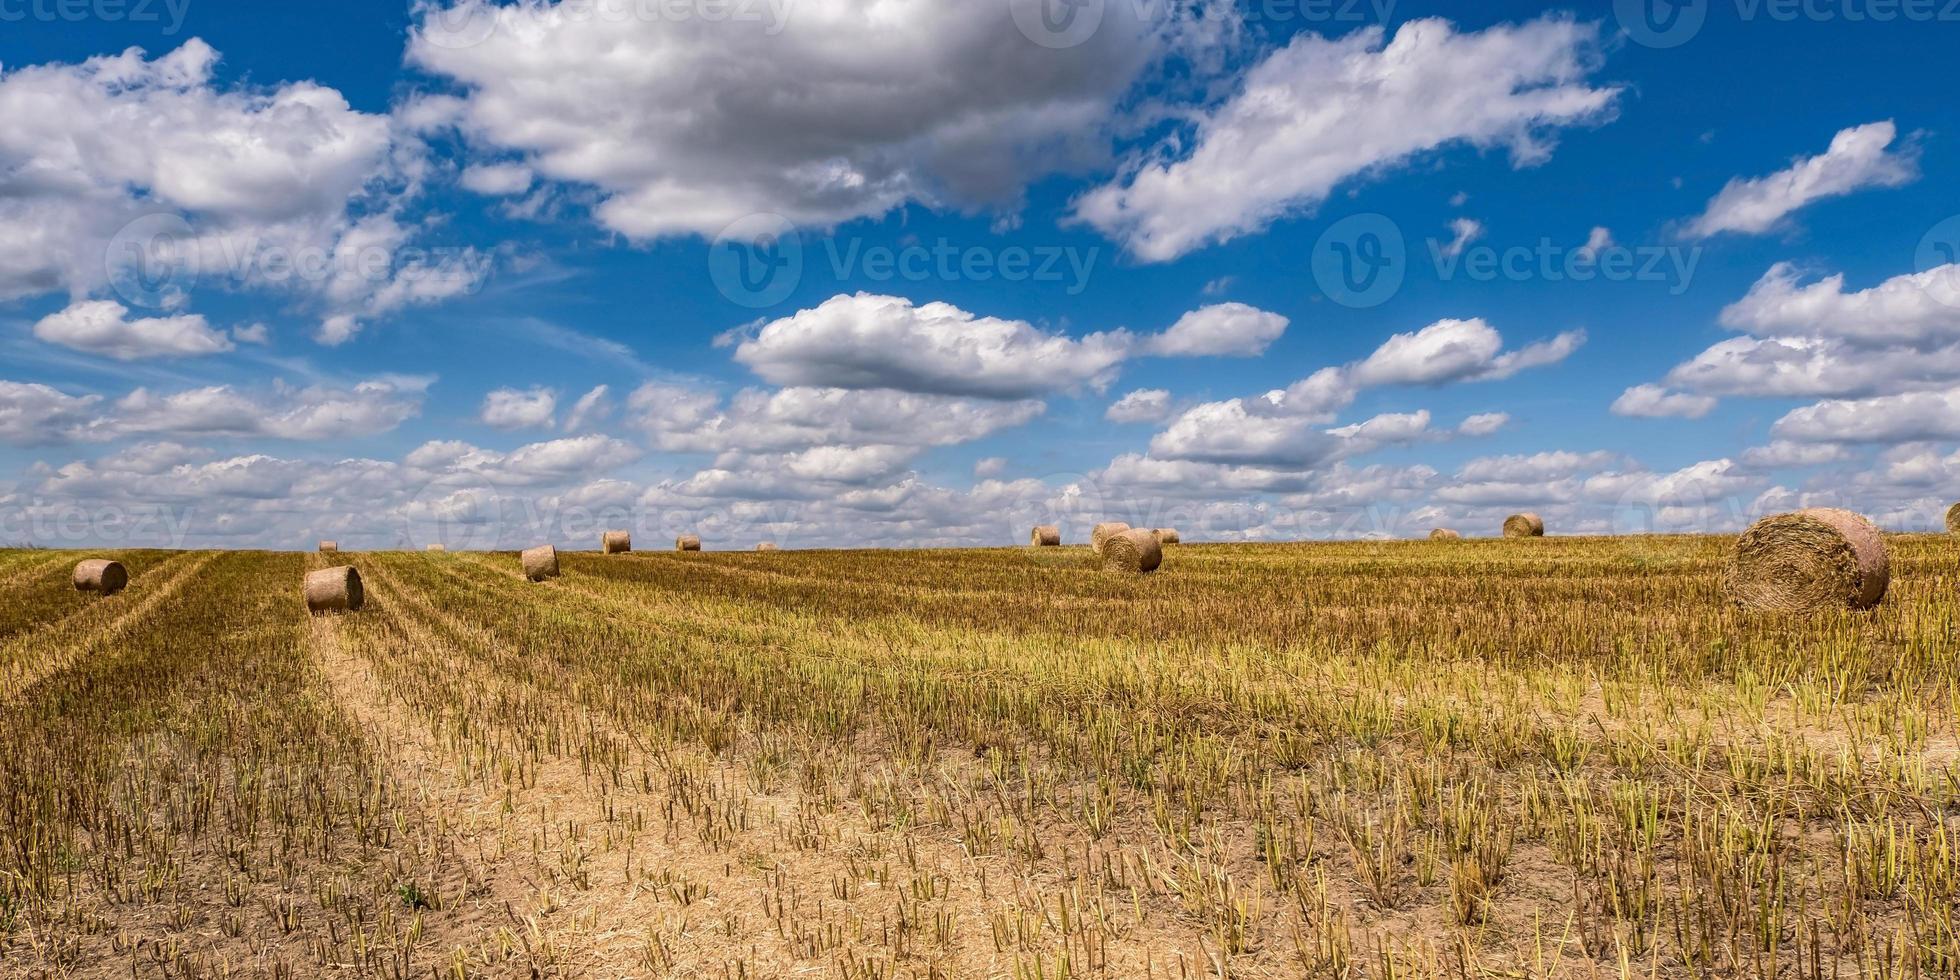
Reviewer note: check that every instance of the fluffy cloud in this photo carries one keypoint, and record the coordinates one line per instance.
(105, 327)
(591, 408)
(1457, 350)
(1281, 428)
(1887, 358)
(1858, 157)
(1656, 402)
(144, 163)
(509, 408)
(1142, 405)
(1784, 453)
(868, 341)
(1227, 432)
(1914, 309)
(541, 463)
(680, 419)
(37, 415)
(1465, 231)
(1483, 424)
(317, 412)
(1908, 417)
(847, 111)
(1220, 330)
(1322, 111)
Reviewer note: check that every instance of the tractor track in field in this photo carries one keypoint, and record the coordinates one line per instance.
(100, 623)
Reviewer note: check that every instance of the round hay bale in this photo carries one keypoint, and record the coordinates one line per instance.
(766, 546)
(1103, 532)
(688, 542)
(1169, 535)
(329, 547)
(1953, 519)
(101, 576)
(336, 589)
(1524, 526)
(1045, 536)
(438, 547)
(1445, 534)
(1134, 552)
(539, 563)
(616, 542)
(1814, 559)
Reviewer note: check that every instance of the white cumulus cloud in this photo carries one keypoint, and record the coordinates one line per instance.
(1857, 158)
(1324, 111)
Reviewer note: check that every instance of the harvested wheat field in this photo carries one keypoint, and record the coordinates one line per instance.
(1573, 757)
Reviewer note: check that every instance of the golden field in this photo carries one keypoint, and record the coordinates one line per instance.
(1539, 758)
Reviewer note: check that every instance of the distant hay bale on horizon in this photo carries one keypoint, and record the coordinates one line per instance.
(1134, 551)
(1103, 532)
(1045, 536)
(766, 546)
(688, 542)
(1168, 535)
(1809, 560)
(1525, 525)
(616, 542)
(539, 563)
(1445, 534)
(101, 576)
(329, 547)
(1953, 519)
(336, 589)
(438, 547)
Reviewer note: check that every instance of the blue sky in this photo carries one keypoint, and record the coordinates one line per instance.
(472, 273)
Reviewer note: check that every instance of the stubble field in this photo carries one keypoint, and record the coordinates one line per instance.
(1561, 757)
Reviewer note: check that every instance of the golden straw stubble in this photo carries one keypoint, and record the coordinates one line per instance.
(1134, 552)
(1810, 560)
